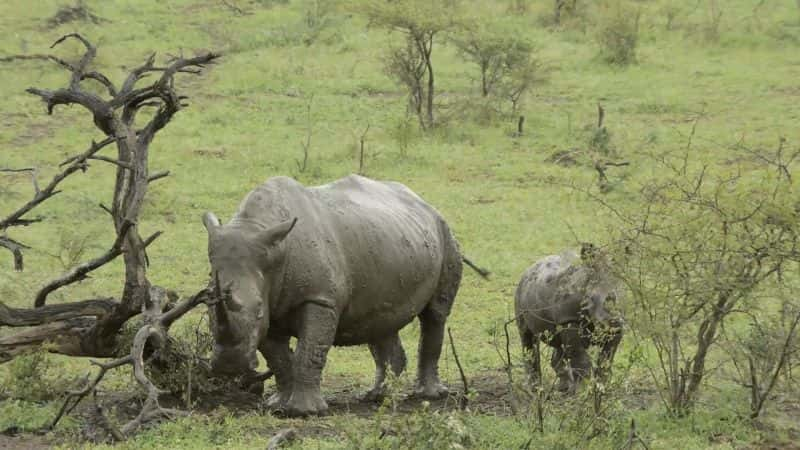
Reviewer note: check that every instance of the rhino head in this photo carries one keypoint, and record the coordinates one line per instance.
(245, 259)
(599, 287)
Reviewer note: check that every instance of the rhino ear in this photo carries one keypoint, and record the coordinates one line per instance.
(277, 233)
(210, 221)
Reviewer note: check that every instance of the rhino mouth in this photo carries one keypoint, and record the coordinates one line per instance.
(233, 364)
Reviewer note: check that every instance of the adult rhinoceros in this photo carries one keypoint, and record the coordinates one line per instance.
(561, 301)
(346, 263)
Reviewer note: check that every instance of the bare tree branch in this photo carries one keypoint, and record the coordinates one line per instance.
(124, 165)
(64, 337)
(81, 271)
(55, 59)
(19, 317)
(77, 163)
(158, 175)
(75, 397)
(464, 397)
(154, 331)
(16, 249)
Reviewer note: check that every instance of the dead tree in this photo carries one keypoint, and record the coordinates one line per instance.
(90, 327)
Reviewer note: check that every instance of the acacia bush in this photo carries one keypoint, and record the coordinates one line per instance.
(508, 67)
(35, 376)
(182, 367)
(422, 23)
(765, 353)
(618, 33)
(700, 243)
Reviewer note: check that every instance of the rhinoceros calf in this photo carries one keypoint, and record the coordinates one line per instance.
(350, 262)
(562, 302)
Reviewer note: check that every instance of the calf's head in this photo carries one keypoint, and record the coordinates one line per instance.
(243, 260)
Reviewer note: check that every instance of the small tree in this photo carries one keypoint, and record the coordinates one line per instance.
(411, 65)
(697, 247)
(618, 34)
(499, 55)
(766, 352)
(564, 7)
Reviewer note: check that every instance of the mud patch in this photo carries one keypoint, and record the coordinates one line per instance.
(78, 12)
(10, 439)
(218, 153)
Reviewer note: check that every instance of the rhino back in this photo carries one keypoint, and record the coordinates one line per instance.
(373, 249)
(545, 296)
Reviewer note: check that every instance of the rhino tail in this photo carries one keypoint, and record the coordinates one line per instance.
(481, 271)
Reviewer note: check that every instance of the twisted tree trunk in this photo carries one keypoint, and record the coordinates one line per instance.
(90, 328)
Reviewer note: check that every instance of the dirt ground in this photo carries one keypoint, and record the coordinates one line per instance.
(490, 395)
(10, 440)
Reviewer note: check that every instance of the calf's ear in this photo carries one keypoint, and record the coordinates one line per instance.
(210, 221)
(277, 233)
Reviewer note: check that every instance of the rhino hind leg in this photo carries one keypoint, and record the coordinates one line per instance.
(387, 353)
(530, 344)
(432, 319)
(430, 348)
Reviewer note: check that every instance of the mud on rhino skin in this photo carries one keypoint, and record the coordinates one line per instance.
(346, 263)
(561, 300)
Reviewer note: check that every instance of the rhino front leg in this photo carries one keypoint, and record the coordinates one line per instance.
(388, 352)
(558, 362)
(279, 360)
(575, 364)
(318, 324)
(430, 348)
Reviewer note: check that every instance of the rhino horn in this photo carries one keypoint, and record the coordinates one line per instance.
(217, 287)
(223, 321)
(277, 233)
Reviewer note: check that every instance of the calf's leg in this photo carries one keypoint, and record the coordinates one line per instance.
(574, 346)
(559, 363)
(608, 338)
(530, 344)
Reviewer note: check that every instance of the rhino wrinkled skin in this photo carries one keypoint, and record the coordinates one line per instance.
(346, 263)
(562, 303)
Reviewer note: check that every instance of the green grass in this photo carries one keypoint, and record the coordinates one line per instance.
(246, 121)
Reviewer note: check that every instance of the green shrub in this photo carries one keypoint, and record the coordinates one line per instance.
(35, 376)
(507, 67)
(404, 133)
(181, 367)
(618, 34)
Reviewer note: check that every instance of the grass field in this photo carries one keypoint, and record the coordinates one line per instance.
(736, 81)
